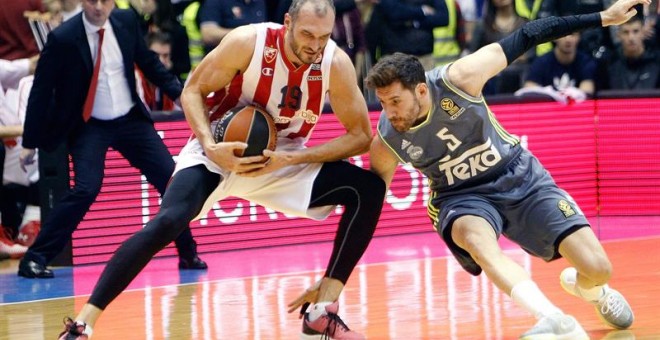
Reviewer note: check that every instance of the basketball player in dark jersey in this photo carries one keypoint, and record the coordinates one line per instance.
(484, 184)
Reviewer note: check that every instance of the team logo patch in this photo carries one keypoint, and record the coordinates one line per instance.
(451, 108)
(566, 208)
(415, 152)
(267, 71)
(309, 116)
(270, 54)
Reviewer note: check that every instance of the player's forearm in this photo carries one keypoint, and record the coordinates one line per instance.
(348, 145)
(544, 30)
(196, 116)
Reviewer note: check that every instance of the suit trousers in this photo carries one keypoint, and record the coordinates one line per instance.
(136, 139)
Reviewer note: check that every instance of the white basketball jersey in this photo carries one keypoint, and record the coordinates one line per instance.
(294, 96)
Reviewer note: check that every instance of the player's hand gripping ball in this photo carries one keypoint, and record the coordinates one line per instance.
(250, 125)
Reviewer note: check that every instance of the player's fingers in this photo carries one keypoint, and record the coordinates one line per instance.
(259, 159)
(235, 145)
(294, 305)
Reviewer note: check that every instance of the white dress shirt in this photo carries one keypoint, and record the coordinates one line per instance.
(113, 96)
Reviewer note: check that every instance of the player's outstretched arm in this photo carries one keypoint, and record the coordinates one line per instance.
(471, 72)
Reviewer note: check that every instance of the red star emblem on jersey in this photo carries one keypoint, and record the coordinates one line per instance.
(270, 54)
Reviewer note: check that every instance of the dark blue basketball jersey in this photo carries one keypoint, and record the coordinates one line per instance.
(459, 144)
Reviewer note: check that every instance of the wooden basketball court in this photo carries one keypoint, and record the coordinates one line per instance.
(406, 287)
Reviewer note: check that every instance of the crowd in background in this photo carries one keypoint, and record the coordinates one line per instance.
(181, 32)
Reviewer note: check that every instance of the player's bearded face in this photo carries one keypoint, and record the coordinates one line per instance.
(408, 117)
(401, 105)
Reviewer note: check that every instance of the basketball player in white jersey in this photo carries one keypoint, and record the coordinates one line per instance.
(287, 70)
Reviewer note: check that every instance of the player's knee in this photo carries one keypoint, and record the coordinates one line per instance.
(167, 225)
(598, 269)
(369, 190)
(470, 233)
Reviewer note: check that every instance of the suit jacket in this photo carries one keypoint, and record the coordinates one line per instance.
(64, 74)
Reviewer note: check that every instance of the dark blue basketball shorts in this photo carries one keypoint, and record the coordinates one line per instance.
(524, 204)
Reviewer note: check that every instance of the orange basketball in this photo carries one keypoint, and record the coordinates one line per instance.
(250, 125)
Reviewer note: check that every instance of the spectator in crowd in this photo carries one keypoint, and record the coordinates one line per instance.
(449, 41)
(471, 10)
(19, 201)
(158, 16)
(152, 96)
(189, 19)
(11, 73)
(632, 66)
(405, 26)
(16, 38)
(95, 109)
(219, 17)
(70, 8)
(348, 32)
(529, 9)
(501, 19)
(566, 70)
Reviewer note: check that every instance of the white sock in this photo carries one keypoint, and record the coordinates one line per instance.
(88, 330)
(592, 294)
(318, 310)
(528, 296)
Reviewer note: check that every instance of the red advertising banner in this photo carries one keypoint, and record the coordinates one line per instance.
(604, 153)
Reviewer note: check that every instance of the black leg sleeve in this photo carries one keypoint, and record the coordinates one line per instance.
(361, 192)
(182, 201)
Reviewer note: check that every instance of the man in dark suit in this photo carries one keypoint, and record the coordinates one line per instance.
(84, 94)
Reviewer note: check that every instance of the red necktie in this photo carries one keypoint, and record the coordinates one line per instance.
(91, 93)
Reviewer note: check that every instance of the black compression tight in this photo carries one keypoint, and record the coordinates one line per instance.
(183, 200)
(359, 190)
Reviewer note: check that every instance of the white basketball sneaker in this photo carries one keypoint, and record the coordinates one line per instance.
(556, 327)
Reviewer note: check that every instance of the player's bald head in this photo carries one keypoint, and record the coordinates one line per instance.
(319, 7)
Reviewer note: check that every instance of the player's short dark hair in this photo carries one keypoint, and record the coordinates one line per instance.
(320, 7)
(400, 67)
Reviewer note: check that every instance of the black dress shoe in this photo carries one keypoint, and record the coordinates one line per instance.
(195, 263)
(33, 270)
